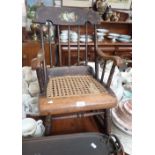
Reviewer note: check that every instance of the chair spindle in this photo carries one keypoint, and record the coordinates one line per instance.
(96, 56)
(43, 50)
(86, 44)
(69, 52)
(78, 45)
(111, 75)
(103, 71)
(60, 53)
(49, 41)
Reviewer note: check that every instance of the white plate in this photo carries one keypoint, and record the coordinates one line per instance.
(119, 122)
(124, 40)
(103, 30)
(63, 37)
(125, 36)
(74, 37)
(114, 34)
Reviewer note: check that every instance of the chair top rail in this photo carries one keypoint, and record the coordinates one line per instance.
(66, 16)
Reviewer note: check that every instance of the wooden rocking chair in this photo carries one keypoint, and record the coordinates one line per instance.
(73, 90)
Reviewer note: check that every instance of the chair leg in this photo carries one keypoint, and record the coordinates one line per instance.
(107, 119)
(104, 122)
(48, 125)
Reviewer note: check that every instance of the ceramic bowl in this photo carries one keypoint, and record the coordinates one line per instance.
(84, 36)
(66, 32)
(113, 38)
(109, 37)
(100, 34)
(63, 34)
(24, 87)
(64, 40)
(100, 38)
(127, 94)
(40, 129)
(84, 40)
(29, 126)
(63, 37)
(34, 88)
(74, 37)
(74, 40)
(74, 34)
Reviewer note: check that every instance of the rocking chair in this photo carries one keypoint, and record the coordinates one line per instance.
(74, 89)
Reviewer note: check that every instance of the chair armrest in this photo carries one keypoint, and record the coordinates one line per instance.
(116, 59)
(35, 63)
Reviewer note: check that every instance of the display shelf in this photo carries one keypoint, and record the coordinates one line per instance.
(105, 42)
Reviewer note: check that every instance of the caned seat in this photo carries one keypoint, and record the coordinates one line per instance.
(73, 89)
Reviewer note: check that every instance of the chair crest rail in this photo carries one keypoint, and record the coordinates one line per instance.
(66, 15)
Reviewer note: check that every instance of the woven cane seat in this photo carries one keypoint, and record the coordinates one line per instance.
(68, 94)
(69, 86)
